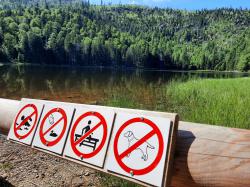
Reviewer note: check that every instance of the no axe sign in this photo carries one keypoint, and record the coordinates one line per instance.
(135, 145)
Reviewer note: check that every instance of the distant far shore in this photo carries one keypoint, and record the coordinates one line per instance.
(121, 68)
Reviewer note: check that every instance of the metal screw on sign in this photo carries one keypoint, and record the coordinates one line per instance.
(47, 143)
(142, 118)
(93, 112)
(131, 173)
(81, 157)
(58, 109)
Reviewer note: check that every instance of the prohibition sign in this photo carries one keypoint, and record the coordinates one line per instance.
(17, 127)
(119, 156)
(74, 143)
(42, 133)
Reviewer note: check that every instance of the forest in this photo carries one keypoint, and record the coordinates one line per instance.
(81, 34)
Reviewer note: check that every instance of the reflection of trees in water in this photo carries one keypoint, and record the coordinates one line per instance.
(49, 83)
(81, 84)
(12, 81)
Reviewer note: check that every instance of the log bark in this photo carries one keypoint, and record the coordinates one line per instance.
(205, 155)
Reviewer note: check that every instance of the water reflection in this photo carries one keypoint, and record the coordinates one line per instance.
(90, 84)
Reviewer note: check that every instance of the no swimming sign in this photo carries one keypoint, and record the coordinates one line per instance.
(25, 122)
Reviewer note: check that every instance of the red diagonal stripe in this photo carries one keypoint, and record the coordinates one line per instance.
(25, 120)
(49, 129)
(137, 144)
(87, 134)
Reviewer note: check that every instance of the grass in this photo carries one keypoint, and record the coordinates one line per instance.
(6, 166)
(224, 102)
(108, 180)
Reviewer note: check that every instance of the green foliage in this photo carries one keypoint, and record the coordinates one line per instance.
(244, 63)
(76, 33)
(108, 180)
(212, 101)
(6, 166)
(223, 102)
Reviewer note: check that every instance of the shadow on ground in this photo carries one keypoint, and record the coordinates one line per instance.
(5, 183)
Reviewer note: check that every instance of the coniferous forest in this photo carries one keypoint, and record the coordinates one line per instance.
(77, 33)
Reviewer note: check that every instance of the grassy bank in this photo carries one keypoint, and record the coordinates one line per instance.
(224, 102)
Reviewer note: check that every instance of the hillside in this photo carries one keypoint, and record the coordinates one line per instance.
(83, 34)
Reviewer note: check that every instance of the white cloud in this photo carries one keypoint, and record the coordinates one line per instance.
(133, 2)
(148, 2)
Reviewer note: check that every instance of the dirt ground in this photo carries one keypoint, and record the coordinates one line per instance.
(22, 166)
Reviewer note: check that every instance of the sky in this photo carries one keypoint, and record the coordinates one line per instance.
(183, 4)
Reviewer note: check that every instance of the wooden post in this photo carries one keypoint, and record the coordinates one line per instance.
(205, 155)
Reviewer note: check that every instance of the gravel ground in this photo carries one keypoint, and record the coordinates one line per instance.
(22, 166)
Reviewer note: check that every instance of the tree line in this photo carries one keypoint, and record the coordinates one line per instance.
(78, 33)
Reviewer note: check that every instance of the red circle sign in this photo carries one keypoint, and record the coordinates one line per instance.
(119, 156)
(74, 143)
(17, 127)
(42, 133)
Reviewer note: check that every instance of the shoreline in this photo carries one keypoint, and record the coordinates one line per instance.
(125, 68)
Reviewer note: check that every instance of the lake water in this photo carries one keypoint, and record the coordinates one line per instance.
(92, 85)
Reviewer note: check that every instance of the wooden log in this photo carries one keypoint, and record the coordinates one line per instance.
(8, 109)
(205, 155)
(211, 156)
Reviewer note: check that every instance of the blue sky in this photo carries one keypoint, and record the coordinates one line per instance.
(183, 4)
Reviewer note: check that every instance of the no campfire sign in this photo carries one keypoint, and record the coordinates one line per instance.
(139, 146)
(25, 122)
(53, 128)
(89, 136)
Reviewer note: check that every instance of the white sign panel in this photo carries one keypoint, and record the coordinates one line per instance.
(25, 122)
(53, 128)
(138, 147)
(90, 135)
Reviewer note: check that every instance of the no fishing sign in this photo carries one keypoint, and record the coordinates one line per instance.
(135, 145)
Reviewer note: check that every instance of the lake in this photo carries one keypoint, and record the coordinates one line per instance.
(95, 85)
